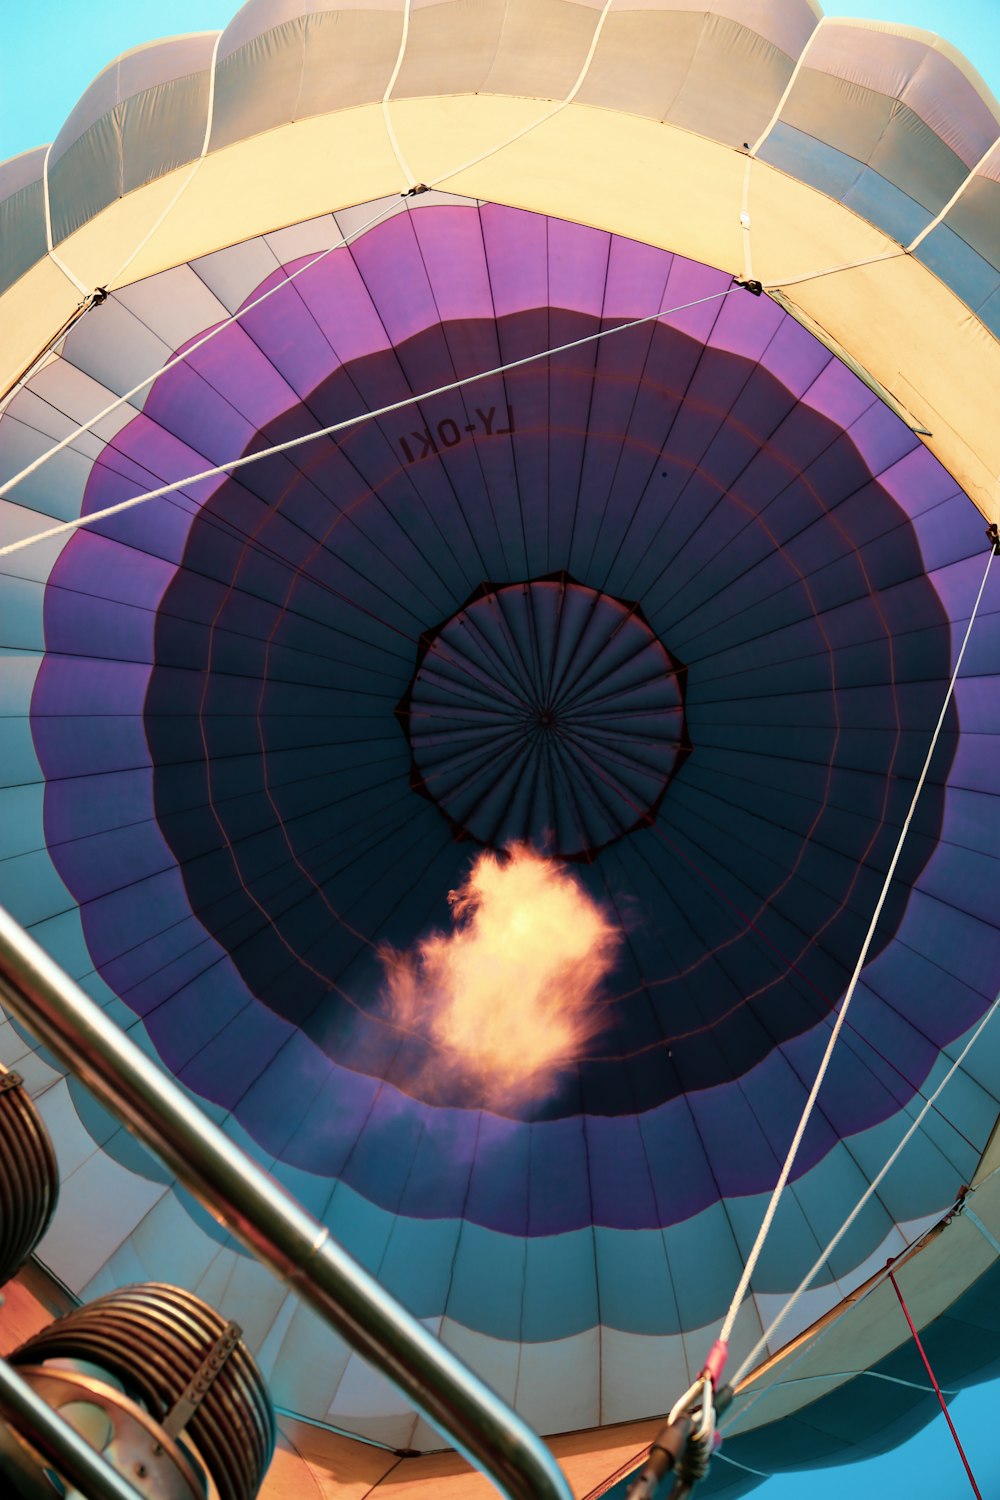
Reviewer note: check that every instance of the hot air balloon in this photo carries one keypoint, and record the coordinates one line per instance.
(517, 478)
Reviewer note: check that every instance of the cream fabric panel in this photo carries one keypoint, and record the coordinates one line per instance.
(652, 182)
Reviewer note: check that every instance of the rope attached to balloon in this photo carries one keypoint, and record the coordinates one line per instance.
(684, 1445)
(368, 415)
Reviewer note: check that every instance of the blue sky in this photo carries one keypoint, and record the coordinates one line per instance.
(52, 49)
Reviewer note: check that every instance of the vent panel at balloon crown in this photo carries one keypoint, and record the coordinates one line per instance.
(533, 692)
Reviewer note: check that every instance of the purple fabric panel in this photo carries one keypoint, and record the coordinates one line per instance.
(325, 1107)
(935, 928)
(561, 1179)
(290, 328)
(578, 261)
(328, 319)
(158, 528)
(957, 573)
(115, 800)
(445, 1159)
(741, 1158)
(226, 1066)
(919, 484)
(389, 260)
(515, 248)
(881, 443)
(839, 395)
(746, 325)
(498, 1185)
(186, 401)
(796, 358)
(636, 280)
(621, 1173)
(296, 1103)
(979, 699)
(90, 687)
(690, 282)
(135, 581)
(209, 370)
(451, 247)
(979, 874)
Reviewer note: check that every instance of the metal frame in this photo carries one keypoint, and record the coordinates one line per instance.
(270, 1223)
(58, 1442)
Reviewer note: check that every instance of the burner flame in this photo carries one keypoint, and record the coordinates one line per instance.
(510, 996)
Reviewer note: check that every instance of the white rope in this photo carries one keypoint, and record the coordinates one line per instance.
(943, 213)
(171, 364)
(542, 119)
(397, 150)
(793, 79)
(192, 172)
(365, 416)
(779, 1187)
(785, 1377)
(53, 257)
(745, 223)
(764, 1341)
(778, 283)
(753, 150)
(178, 359)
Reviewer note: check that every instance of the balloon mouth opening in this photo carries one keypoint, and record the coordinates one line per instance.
(531, 687)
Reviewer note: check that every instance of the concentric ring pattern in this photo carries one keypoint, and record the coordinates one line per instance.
(544, 713)
(231, 805)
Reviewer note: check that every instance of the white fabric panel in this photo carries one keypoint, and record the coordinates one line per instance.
(258, 16)
(54, 491)
(311, 1359)
(61, 398)
(20, 629)
(79, 1240)
(269, 1348)
(156, 63)
(117, 350)
(638, 1374)
(559, 1384)
(786, 23)
(234, 273)
(16, 1053)
(495, 1359)
(183, 308)
(166, 1246)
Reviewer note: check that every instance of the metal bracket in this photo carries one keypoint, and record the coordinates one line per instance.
(202, 1381)
(9, 1081)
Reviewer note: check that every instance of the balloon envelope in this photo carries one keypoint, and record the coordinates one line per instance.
(675, 606)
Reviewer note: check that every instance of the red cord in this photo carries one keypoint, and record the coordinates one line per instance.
(937, 1388)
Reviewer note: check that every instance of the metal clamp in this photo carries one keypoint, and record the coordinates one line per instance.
(202, 1381)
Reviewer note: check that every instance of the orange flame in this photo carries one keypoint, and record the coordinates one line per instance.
(509, 997)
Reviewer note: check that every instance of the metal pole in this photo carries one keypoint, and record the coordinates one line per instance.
(271, 1223)
(58, 1443)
